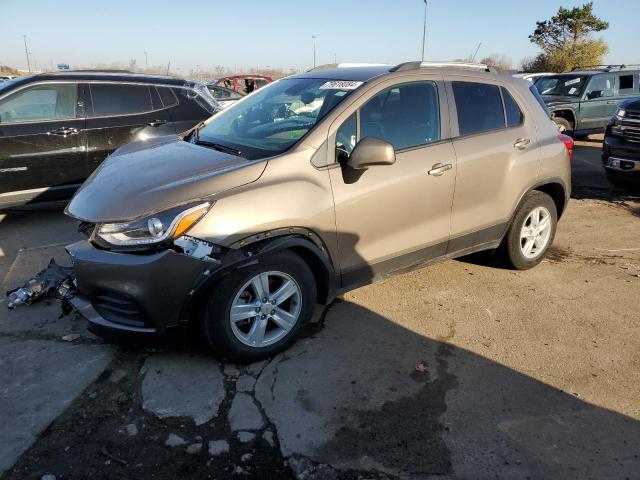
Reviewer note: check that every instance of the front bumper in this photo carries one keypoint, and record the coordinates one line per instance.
(620, 158)
(137, 293)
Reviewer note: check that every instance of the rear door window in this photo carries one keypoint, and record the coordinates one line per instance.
(406, 115)
(119, 99)
(40, 103)
(479, 107)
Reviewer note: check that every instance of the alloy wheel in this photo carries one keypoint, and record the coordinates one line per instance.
(535, 232)
(265, 309)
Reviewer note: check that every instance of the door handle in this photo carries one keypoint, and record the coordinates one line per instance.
(439, 169)
(63, 131)
(612, 102)
(156, 123)
(522, 143)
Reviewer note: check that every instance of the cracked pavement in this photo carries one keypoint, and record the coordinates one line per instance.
(459, 370)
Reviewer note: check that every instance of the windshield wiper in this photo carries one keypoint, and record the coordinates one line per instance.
(217, 146)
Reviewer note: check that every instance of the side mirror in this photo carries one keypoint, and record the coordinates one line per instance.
(370, 152)
(594, 94)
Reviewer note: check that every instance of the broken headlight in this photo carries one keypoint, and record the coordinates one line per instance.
(153, 229)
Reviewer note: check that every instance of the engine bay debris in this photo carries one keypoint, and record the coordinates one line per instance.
(55, 280)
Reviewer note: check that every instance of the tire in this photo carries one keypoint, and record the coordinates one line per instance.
(515, 244)
(617, 181)
(565, 126)
(232, 340)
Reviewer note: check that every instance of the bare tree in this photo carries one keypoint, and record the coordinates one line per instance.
(498, 60)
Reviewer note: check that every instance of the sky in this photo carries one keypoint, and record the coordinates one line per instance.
(278, 33)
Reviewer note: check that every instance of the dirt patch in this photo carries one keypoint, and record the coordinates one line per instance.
(92, 439)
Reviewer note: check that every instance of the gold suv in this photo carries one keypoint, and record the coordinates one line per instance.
(311, 186)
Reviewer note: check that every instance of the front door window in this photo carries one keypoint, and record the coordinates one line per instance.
(40, 103)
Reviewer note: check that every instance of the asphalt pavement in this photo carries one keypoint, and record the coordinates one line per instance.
(460, 370)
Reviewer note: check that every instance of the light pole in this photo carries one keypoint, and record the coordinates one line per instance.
(146, 61)
(26, 50)
(424, 29)
(314, 50)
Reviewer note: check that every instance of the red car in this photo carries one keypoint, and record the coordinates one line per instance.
(242, 83)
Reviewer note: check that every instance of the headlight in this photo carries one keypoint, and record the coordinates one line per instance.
(153, 229)
(621, 112)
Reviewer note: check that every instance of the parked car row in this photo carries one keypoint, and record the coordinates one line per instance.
(56, 128)
(601, 99)
(582, 102)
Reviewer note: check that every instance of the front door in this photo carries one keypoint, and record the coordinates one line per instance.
(394, 216)
(42, 143)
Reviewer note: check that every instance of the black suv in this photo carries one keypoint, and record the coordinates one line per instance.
(56, 128)
(621, 147)
(582, 102)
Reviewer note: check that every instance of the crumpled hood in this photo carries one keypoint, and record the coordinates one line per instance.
(147, 177)
(553, 100)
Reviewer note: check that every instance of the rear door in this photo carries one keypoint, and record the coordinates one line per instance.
(498, 159)
(121, 113)
(42, 143)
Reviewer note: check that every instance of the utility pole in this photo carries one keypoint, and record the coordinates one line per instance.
(168, 67)
(314, 50)
(146, 62)
(335, 58)
(424, 30)
(26, 50)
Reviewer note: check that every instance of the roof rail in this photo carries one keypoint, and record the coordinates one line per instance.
(463, 65)
(331, 66)
(606, 68)
(91, 70)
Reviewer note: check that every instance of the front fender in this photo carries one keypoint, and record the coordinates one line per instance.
(250, 251)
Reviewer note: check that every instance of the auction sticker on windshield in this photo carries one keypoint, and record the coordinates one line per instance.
(341, 85)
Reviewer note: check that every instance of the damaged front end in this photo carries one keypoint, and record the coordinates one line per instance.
(138, 276)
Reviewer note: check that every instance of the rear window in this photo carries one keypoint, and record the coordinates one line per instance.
(479, 107)
(116, 99)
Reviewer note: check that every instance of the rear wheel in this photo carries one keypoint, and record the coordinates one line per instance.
(257, 311)
(532, 231)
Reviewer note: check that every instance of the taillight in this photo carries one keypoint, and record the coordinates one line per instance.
(568, 143)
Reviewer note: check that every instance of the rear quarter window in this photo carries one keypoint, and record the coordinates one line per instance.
(536, 94)
(167, 96)
(511, 109)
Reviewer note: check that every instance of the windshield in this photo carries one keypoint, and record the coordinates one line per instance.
(561, 85)
(274, 118)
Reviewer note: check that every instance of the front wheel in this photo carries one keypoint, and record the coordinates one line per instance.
(532, 231)
(564, 125)
(256, 312)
